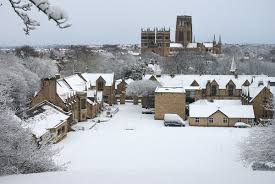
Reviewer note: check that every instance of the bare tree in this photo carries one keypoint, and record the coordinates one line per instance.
(22, 9)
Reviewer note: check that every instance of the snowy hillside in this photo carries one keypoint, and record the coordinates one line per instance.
(134, 148)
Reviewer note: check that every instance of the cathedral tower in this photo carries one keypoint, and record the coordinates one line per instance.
(184, 33)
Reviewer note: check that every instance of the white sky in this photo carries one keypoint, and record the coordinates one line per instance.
(120, 21)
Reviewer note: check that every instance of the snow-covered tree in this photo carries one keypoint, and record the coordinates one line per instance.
(19, 154)
(20, 79)
(23, 7)
(258, 149)
(141, 88)
(18, 151)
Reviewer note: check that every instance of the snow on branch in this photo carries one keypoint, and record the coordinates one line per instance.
(21, 8)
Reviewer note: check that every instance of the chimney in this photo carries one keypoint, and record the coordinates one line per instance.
(49, 89)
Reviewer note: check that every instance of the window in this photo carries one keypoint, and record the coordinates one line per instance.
(83, 103)
(265, 114)
(225, 120)
(106, 99)
(265, 100)
(249, 121)
(100, 86)
(213, 90)
(197, 120)
(210, 120)
(181, 37)
(231, 90)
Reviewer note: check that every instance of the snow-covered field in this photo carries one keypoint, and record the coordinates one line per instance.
(134, 148)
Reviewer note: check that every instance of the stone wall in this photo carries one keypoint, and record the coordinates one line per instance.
(169, 103)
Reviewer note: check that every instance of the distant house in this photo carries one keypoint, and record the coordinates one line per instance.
(47, 122)
(220, 113)
(120, 87)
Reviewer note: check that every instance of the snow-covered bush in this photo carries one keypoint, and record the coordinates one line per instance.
(258, 149)
(141, 88)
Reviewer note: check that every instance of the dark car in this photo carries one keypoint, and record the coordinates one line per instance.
(173, 120)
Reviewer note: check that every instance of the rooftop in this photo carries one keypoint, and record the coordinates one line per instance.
(170, 90)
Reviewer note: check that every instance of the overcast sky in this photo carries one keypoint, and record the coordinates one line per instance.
(120, 21)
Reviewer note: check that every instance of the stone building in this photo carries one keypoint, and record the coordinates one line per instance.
(259, 97)
(220, 113)
(81, 94)
(156, 41)
(169, 100)
(121, 86)
(184, 32)
(47, 122)
(255, 90)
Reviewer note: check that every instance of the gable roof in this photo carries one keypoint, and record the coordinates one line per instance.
(202, 80)
(170, 90)
(252, 92)
(91, 78)
(76, 82)
(230, 108)
(43, 117)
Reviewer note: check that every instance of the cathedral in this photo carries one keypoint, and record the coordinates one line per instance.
(158, 40)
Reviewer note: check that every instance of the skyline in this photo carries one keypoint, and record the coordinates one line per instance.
(120, 22)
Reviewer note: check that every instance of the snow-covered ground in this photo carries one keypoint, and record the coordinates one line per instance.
(134, 148)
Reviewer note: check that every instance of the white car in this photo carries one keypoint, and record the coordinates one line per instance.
(242, 125)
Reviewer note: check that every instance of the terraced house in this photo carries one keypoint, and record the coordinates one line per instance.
(81, 94)
(254, 90)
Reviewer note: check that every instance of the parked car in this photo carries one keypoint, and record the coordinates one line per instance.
(148, 111)
(173, 120)
(242, 125)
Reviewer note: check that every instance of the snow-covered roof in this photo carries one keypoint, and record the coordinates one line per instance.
(176, 45)
(252, 92)
(76, 82)
(43, 117)
(208, 44)
(63, 89)
(186, 80)
(170, 90)
(91, 78)
(91, 93)
(127, 81)
(192, 45)
(232, 109)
